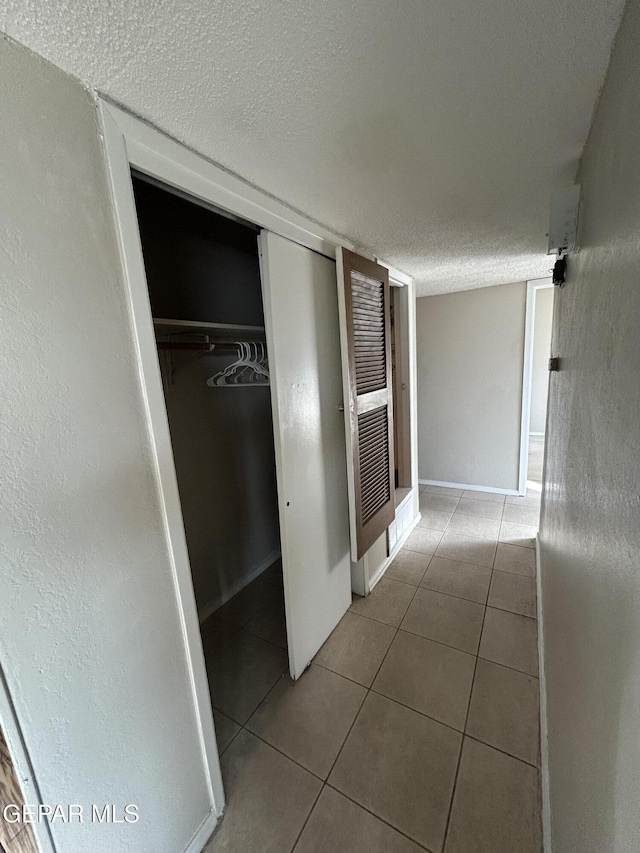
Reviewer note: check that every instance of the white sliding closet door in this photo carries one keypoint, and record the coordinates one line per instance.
(303, 339)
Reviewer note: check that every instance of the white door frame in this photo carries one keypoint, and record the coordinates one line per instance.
(22, 767)
(130, 143)
(527, 376)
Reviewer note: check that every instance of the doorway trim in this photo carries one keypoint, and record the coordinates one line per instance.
(533, 287)
(130, 143)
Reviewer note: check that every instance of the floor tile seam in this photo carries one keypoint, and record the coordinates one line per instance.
(264, 639)
(411, 634)
(518, 574)
(417, 711)
(520, 523)
(533, 618)
(527, 547)
(507, 610)
(214, 707)
(506, 665)
(379, 621)
(235, 735)
(471, 536)
(467, 536)
(284, 754)
(466, 720)
(473, 565)
(458, 511)
(428, 557)
(306, 820)
(253, 615)
(451, 595)
(511, 668)
(503, 751)
(264, 698)
(271, 689)
(368, 689)
(440, 643)
(434, 509)
(466, 562)
(347, 677)
(378, 817)
(424, 554)
(495, 542)
(365, 697)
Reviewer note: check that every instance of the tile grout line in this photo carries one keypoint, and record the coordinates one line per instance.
(462, 598)
(268, 693)
(377, 817)
(439, 642)
(477, 657)
(444, 645)
(466, 719)
(306, 820)
(503, 751)
(370, 690)
(242, 629)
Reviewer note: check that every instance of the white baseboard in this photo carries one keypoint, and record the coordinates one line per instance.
(210, 608)
(468, 487)
(399, 543)
(203, 834)
(544, 745)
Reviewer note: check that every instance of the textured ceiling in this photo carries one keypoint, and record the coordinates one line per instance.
(428, 131)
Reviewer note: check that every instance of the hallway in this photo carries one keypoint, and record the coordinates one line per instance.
(417, 726)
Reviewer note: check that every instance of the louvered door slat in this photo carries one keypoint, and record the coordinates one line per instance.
(365, 303)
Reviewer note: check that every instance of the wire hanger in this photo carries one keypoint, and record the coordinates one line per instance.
(249, 368)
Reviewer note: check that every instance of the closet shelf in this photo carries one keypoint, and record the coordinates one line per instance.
(195, 327)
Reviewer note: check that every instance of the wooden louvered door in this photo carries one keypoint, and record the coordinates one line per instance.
(364, 297)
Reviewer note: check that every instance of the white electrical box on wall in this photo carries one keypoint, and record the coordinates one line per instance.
(563, 222)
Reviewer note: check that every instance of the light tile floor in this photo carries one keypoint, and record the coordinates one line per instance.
(416, 727)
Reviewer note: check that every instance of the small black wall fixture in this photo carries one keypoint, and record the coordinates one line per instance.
(560, 271)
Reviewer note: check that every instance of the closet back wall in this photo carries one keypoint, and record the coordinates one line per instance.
(201, 266)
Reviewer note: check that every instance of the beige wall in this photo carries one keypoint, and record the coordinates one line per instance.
(91, 642)
(470, 354)
(540, 361)
(590, 531)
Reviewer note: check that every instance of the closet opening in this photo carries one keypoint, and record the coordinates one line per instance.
(401, 385)
(205, 293)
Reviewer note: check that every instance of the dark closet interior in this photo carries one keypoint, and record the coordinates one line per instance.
(205, 292)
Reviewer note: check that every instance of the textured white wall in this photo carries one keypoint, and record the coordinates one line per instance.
(90, 637)
(470, 353)
(590, 529)
(540, 361)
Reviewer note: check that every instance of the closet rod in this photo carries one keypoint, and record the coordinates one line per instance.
(197, 345)
(186, 345)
